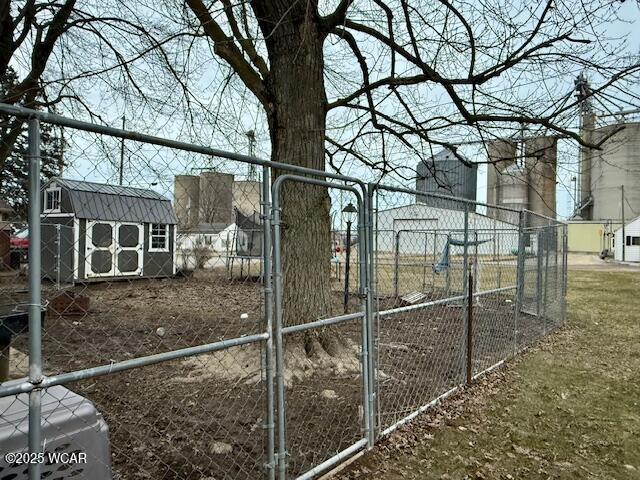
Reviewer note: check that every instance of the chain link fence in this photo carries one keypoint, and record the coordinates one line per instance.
(155, 325)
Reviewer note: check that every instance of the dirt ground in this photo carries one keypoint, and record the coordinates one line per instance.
(203, 417)
(567, 409)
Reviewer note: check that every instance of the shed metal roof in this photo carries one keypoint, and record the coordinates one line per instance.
(99, 201)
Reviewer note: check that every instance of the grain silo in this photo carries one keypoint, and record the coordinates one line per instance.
(514, 191)
(246, 197)
(617, 164)
(446, 174)
(502, 154)
(216, 198)
(528, 183)
(186, 200)
(540, 163)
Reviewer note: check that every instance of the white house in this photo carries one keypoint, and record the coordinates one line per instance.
(420, 229)
(207, 245)
(631, 242)
(216, 237)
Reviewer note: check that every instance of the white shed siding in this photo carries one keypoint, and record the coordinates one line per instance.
(631, 252)
(425, 229)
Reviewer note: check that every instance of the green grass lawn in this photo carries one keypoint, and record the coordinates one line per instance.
(568, 409)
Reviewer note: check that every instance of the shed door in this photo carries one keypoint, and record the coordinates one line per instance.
(113, 249)
(100, 249)
(129, 249)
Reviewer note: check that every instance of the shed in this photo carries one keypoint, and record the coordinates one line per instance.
(631, 242)
(95, 231)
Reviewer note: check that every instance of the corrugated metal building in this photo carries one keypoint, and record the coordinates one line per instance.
(419, 228)
(446, 174)
(94, 231)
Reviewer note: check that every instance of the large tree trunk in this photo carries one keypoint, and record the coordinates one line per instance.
(297, 127)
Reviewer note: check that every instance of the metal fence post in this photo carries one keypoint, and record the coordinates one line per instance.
(433, 263)
(468, 294)
(565, 273)
(268, 314)
(475, 271)
(470, 328)
(448, 270)
(499, 260)
(424, 266)
(35, 300)
(465, 254)
(396, 266)
(372, 311)
(539, 251)
(277, 332)
(58, 255)
(363, 262)
(545, 280)
(520, 271)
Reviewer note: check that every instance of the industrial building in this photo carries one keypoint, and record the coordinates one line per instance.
(591, 236)
(627, 242)
(522, 175)
(414, 229)
(446, 174)
(608, 186)
(611, 174)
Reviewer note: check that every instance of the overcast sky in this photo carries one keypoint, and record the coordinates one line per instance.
(249, 118)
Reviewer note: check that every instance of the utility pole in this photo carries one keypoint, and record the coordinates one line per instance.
(121, 155)
(251, 136)
(624, 237)
(61, 152)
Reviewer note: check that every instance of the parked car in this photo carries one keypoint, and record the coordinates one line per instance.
(19, 247)
(20, 239)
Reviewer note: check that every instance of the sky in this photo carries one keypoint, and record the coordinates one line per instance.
(90, 147)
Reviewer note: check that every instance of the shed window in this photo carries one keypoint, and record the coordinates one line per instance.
(52, 200)
(159, 241)
(632, 241)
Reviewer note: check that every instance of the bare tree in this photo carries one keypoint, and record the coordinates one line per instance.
(54, 52)
(33, 27)
(368, 83)
(403, 77)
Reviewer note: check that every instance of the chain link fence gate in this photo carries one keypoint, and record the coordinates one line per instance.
(458, 290)
(149, 327)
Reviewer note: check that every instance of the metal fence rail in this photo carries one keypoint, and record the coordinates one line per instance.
(176, 345)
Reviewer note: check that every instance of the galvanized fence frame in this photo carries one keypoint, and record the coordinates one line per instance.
(549, 229)
(271, 338)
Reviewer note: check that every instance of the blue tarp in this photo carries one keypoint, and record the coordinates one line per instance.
(443, 264)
